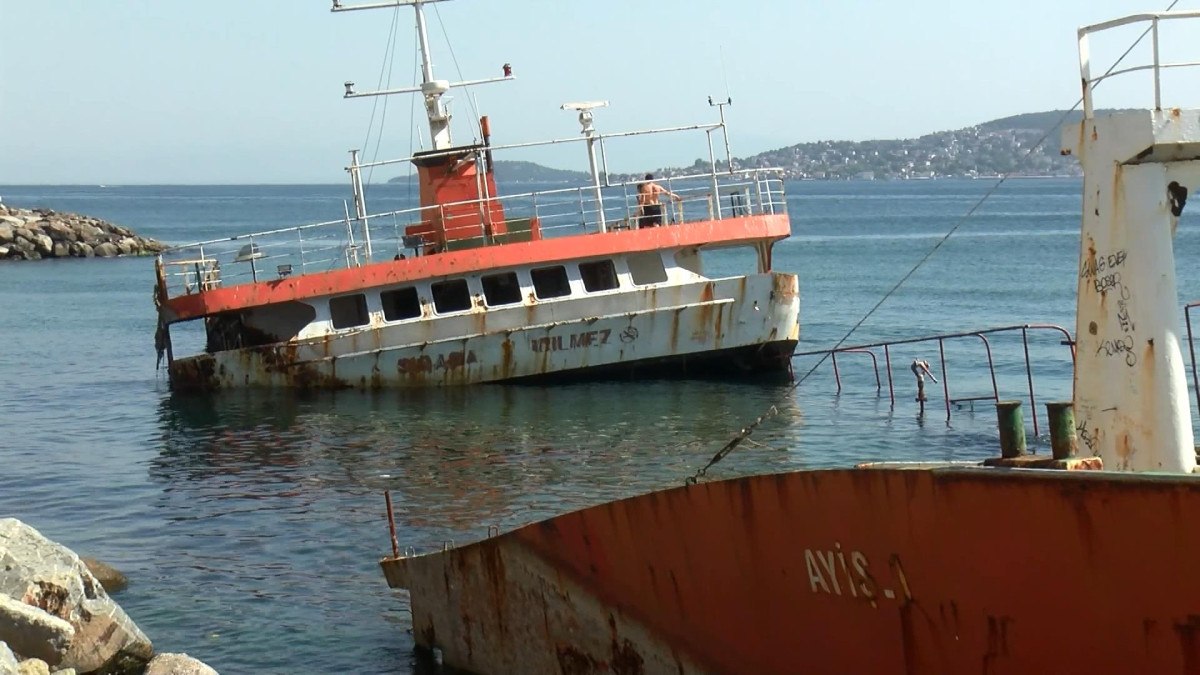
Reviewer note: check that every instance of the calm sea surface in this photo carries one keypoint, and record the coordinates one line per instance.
(250, 524)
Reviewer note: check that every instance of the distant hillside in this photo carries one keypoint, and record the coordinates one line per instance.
(525, 172)
(511, 171)
(1001, 146)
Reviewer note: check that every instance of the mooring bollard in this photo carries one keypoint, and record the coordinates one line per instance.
(1012, 428)
(1062, 429)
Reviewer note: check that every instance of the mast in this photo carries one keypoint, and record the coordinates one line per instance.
(431, 88)
(1131, 397)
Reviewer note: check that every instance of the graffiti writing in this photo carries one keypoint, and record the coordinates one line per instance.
(1104, 284)
(1117, 347)
(1094, 267)
(629, 334)
(427, 364)
(557, 343)
(1090, 438)
(1123, 315)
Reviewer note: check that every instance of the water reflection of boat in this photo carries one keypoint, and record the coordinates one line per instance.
(457, 457)
(933, 567)
(472, 286)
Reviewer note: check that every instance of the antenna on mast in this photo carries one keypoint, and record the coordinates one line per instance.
(720, 105)
(589, 131)
(431, 88)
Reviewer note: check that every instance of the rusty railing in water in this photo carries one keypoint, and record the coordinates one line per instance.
(941, 339)
(1187, 317)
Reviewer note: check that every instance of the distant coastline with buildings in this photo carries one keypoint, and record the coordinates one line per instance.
(1008, 146)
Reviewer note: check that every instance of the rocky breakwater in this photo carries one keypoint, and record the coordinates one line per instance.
(33, 234)
(57, 618)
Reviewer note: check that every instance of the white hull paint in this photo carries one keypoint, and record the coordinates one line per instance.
(559, 338)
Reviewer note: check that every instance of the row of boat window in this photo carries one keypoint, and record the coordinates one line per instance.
(500, 289)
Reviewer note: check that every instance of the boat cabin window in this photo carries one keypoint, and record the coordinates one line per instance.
(689, 259)
(451, 295)
(400, 304)
(598, 276)
(348, 311)
(646, 268)
(550, 282)
(501, 289)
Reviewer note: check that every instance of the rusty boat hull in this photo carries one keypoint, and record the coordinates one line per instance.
(737, 327)
(870, 570)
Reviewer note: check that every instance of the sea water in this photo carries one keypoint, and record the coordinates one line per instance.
(250, 524)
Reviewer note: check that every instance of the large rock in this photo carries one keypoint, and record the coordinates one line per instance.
(8, 661)
(60, 231)
(33, 667)
(109, 577)
(44, 244)
(178, 664)
(106, 250)
(46, 575)
(33, 632)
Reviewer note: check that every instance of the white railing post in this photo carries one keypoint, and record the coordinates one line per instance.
(716, 188)
(360, 200)
(591, 146)
(1157, 72)
(1085, 74)
(300, 240)
(351, 249)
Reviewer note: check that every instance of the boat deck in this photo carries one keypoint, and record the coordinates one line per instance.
(353, 242)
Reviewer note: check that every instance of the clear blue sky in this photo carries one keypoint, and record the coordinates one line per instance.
(174, 91)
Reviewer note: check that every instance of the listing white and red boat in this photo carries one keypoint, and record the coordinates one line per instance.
(471, 286)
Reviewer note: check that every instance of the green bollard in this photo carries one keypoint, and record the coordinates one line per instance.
(1012, 428)
(1062, 429)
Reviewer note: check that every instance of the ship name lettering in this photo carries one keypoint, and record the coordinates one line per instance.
(427, 364)
(557, 343)
(838, 572)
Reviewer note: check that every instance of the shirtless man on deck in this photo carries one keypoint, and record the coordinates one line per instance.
(650, 211)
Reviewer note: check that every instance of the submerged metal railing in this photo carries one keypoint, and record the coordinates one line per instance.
(941, 340)
(351, 242)
(1187, 318)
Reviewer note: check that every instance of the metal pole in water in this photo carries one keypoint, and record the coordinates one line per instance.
(920, 369)
(1062, 429)
(1012, 428)
(387, 497)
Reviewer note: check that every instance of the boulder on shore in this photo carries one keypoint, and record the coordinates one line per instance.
(55, 609)
(34, 234)
(178, 664)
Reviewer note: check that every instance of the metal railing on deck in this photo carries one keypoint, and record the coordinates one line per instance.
(1156, 65)
(350, 242)
(982, 335)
